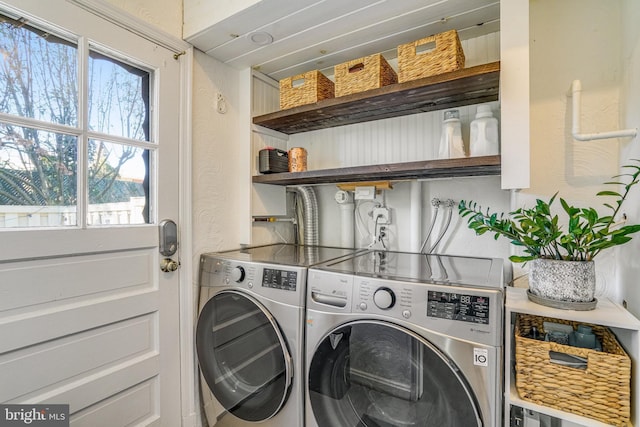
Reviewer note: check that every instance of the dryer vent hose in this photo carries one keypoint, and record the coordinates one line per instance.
(310, 214)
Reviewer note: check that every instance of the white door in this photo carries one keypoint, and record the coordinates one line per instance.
(89, 137)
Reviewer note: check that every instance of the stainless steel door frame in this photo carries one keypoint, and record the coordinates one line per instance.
(483, 381)
(243, 355)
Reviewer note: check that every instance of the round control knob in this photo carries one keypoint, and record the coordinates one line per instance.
(384, 298)
(237, 274)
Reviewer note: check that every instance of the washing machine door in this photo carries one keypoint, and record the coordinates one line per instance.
(243, 356)
(376, 374)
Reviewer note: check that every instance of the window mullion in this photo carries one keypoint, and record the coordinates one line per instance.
(83, 140)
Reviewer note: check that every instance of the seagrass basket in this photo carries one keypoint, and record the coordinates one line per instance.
(362, 74)
(305, 88)
(447, 55)
(602, 391)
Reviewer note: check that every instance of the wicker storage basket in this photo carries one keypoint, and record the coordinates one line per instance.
(362, 74)
(306, 88)
(446, 56)
(602, 391)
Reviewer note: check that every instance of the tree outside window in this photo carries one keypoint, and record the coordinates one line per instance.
(45, 124)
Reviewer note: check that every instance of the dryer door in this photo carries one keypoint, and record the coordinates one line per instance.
(376, 374)
(243, 356)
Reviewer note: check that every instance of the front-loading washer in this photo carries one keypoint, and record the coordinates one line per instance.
(405, 339)
(250, 333)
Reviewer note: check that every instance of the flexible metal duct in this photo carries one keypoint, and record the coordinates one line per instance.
(309, 213)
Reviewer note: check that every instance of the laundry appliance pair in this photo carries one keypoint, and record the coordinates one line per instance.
(250, 333)
(293, 335)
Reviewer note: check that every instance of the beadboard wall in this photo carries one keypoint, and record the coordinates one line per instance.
(400, 139)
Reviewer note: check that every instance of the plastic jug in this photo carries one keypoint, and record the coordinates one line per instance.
(483, 138)
(451, 143)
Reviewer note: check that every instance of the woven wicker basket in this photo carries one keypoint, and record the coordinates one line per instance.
(602, 391)
(306, 88)
(362, 74)
(447, 55)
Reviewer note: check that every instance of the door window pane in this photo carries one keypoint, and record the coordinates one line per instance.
(38, 74)
(118, 185)
(38, 177)
(118, 98)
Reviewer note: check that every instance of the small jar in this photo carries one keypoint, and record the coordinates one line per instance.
(297, 159)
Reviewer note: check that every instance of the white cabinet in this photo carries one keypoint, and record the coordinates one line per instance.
(623, 324)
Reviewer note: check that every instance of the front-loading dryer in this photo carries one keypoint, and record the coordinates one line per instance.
(403, 339)
(250, 333)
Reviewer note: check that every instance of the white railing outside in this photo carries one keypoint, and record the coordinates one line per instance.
(61, 216)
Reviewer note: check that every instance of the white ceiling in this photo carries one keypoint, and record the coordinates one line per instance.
(318, 34)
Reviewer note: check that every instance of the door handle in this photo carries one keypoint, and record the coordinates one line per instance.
(168, 265)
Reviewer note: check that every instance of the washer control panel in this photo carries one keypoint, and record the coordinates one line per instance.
(471, 313)
(384, 298)
(454, 306)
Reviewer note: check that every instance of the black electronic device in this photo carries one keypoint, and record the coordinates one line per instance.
(273, 160)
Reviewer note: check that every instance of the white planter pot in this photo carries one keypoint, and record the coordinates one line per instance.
(564, 281)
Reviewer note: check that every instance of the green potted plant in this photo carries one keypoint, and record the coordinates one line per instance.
(562, 271)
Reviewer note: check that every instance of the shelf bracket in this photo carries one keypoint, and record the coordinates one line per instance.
(576, 93)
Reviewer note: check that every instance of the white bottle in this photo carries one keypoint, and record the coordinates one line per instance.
(483, 138)
(451, 144)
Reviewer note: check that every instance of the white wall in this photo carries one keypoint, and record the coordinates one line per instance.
(570, 40)
(164, 14)
(218, 195)
(627, 256)
(458, 240)
(214, 11)
(575, 39)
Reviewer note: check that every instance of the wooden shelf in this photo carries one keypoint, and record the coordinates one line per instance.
(427, 169)
(468, 86)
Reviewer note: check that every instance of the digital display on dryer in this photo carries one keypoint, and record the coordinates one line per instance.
(453, 306)
(279, 279)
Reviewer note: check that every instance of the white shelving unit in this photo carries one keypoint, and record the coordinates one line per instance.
(623, 324)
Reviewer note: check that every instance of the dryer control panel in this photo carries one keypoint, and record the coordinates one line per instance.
(285, 284)
(279, 279)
